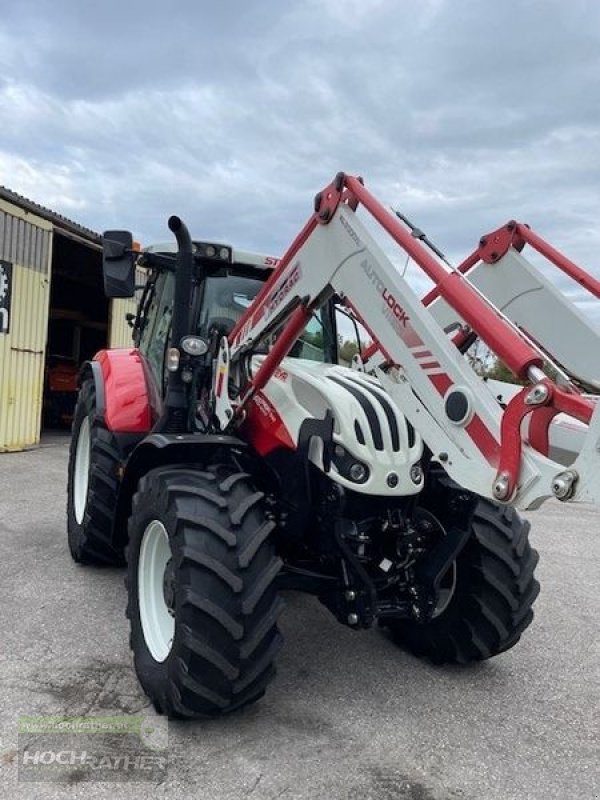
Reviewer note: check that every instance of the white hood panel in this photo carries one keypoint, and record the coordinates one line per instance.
(367, 423)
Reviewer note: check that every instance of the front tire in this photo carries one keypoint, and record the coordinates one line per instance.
(202, 602)
(493, 595)
(92, 487)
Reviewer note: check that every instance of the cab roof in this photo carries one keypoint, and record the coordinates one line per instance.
(237, 256)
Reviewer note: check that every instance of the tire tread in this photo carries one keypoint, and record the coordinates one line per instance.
(494, 605)
(226, 635)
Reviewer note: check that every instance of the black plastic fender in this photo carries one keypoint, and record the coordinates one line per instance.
(93, 370)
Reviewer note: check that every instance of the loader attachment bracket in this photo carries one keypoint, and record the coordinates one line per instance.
(328, 200)
(494, 245)
(543, 402)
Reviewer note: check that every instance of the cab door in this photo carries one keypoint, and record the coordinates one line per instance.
(156, 328)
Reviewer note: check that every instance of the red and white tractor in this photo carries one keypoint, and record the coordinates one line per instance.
(229, 456)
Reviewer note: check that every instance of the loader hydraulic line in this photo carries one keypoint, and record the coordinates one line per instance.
(294, 327)
(417, 233)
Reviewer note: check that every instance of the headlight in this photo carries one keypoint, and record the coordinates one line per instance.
(358, 472)
(348, 466)
(194, 345)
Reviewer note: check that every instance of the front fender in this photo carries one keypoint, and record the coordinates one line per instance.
(128, 404)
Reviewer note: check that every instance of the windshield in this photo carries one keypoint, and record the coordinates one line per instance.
(310, 344)
(225, 300)
(226, 297)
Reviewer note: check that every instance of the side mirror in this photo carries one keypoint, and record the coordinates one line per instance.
(118, 264)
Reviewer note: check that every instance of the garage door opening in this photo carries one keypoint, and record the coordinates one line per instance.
(53, 317)
(78, 325)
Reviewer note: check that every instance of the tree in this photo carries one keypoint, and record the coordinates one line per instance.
(500, 372)
(347, 350)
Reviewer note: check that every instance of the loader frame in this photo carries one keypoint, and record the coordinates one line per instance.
(478, 443)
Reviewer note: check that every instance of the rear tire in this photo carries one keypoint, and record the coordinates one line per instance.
(200, 552)
(92, 488)
(493, 597)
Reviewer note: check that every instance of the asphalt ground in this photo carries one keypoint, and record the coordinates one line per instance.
(349, 715)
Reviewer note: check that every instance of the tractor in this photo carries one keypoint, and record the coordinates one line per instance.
(229, 455)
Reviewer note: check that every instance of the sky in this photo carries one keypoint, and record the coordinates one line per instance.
(461, 113)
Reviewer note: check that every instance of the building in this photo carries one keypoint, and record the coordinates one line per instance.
(53, 316)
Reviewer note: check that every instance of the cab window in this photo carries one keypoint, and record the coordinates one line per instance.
(311, 342)
(352, 337)
(224, 301)
(156, 330)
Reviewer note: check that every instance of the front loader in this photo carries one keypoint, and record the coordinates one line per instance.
(229, 456)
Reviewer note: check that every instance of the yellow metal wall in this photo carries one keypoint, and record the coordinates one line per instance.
(25, 241)
(119, 331)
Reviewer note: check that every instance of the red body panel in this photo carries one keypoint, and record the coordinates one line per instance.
(126, 396)
(263, 428)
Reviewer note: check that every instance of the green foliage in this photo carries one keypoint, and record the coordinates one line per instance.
(500, 372)
(316, 339)
(347, 350)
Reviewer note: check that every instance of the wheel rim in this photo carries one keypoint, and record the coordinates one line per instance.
(82, 470)
(448, 581)
(158, 624)
(446, 591)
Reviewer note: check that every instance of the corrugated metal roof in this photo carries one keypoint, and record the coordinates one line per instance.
(52, 216)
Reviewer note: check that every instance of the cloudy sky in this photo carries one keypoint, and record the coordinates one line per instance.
(462, 113)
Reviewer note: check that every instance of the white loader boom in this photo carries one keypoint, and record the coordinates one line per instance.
(478, 442)
(523, 294)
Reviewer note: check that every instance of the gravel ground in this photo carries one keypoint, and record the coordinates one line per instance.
(349, 714)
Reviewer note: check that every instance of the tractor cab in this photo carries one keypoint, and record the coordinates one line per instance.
(224, 283)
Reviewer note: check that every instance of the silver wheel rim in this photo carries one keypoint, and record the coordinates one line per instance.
(446, 591)
(82, 470)
(448, 582)
(158, 626)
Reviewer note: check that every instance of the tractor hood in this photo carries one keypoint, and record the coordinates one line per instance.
(374, 451)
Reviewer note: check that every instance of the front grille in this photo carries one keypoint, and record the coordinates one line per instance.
(368, 395)
(367, 407)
